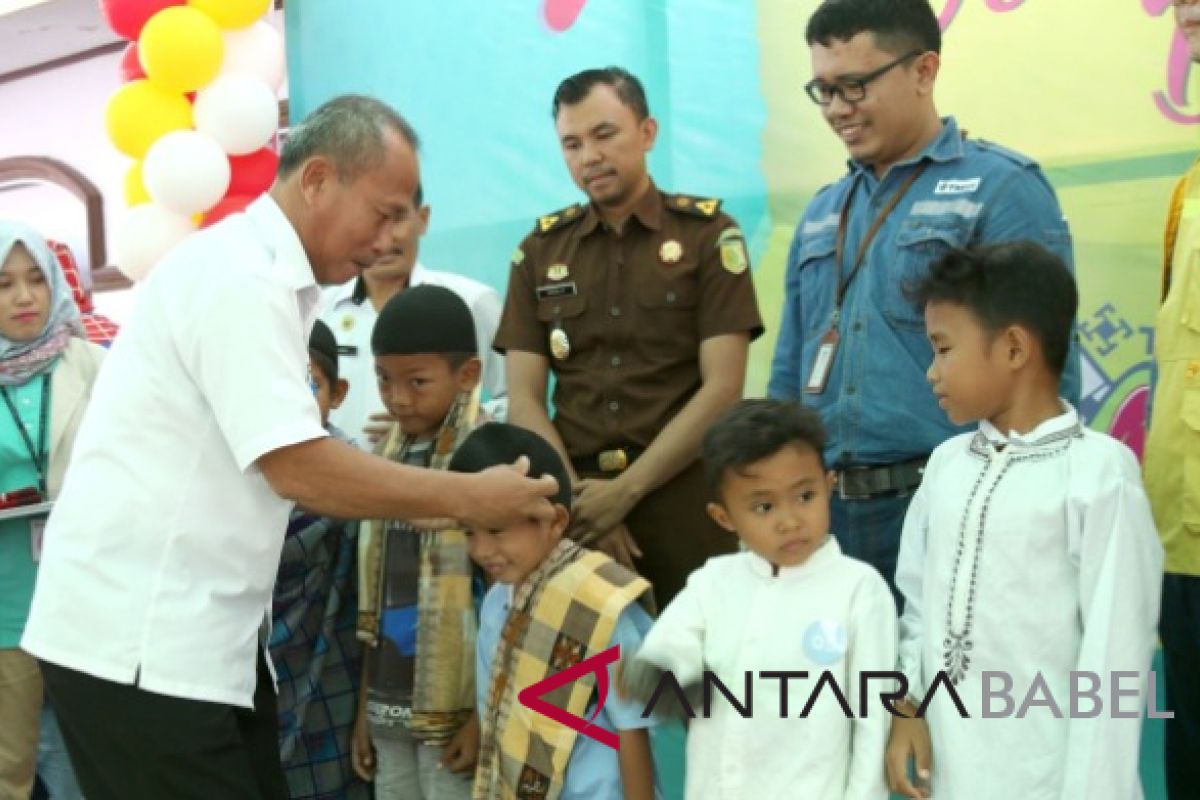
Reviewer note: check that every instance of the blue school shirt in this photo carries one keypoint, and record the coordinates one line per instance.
(593, 772)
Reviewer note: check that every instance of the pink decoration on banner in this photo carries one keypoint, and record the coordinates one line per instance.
(1171, 103)
(999, 6)
(1129, 423)
(562, 14)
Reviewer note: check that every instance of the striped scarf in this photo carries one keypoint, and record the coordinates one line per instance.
(444, 675)
(563, 613)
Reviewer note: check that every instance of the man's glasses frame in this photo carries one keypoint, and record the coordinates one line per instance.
(853, 90)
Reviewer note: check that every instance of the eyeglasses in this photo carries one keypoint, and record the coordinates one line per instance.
(853, 90)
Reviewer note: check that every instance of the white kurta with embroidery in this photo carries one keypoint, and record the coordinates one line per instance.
(1032, 555)
(734, 617)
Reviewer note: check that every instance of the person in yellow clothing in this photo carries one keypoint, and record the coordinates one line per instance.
(1172, 469)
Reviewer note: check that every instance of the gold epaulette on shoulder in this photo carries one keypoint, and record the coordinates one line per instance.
(706, 207)
(564, 216)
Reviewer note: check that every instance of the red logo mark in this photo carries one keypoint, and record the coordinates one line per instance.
(531, 696)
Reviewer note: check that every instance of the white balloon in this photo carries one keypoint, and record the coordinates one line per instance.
(239, 111)
(146, 234)
(255, 50)
(186, 172)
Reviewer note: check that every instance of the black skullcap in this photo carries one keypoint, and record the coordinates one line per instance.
(424, 319)
(323, 349)
(500, 443)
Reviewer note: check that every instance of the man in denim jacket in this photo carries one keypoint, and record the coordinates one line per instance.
(852, 344)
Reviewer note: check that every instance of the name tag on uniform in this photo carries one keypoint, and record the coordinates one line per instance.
(823, 363)
(347, 350)
(552, 290)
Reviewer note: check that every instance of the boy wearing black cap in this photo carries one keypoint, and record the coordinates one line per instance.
(417, 735)
(554, 605)
(313, 643)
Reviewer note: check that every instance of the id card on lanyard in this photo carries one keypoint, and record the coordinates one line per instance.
(818, 377)
(39, 456)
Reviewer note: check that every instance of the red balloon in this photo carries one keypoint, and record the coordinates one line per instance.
(230, 204)
(127, 17)
(253, 174)
(130, 68)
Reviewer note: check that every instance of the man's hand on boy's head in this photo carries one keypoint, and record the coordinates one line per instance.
(501, 496)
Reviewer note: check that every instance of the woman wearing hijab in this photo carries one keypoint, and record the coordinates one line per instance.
(47, 370)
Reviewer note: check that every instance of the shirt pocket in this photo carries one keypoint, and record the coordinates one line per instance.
(564, 312)
(668, 300)
(815, 273)
(1190, 413)
(919, 244)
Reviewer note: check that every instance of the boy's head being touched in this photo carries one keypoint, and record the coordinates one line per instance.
(768, 481)
(510, 554)
(329, 389)
(999, 319)
(425, 356)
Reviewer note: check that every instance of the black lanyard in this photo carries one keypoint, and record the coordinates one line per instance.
(38, 455)
(843, 225)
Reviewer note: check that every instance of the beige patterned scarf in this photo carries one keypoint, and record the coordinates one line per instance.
(444, 675)
(563, 613)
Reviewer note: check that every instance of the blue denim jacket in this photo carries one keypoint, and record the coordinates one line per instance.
(877, 405)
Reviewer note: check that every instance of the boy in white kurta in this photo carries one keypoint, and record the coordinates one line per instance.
(791, 602)
(1028, 557)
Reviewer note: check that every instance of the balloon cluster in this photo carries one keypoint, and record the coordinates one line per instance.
(197, 111)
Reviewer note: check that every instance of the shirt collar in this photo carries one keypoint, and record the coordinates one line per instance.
(946, 147)
(1052, 430)
(648, 211)
(355, 291)
(289, 252)
(820, 557)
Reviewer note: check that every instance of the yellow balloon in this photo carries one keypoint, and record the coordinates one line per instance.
(135, 188)
(181, 48)
(140, 112)
(232, 13)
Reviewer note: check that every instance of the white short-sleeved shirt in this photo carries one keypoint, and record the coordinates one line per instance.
(351, 317)
(162, 549)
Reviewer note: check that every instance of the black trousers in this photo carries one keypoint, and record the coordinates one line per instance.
(1179, 629)
(129, 744)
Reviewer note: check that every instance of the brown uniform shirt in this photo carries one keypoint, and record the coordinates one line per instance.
(633, 309)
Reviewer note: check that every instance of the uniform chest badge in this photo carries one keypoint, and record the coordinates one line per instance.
(558, 272)
(348, 323)
(560, 345)
(671, 251)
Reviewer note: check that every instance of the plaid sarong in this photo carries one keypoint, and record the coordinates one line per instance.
(444, 683)
(563, 613)
(316, 657)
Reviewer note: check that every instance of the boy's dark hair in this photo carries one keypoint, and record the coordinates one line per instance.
(323, 349)
(757, 429)
(426, 319)
(1018, 283)
(899, 26)
(629, 89)
(496, 443)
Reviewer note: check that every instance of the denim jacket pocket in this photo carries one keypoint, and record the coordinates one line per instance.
(919, 244)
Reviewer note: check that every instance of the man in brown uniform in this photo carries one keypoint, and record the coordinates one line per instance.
(642, 304)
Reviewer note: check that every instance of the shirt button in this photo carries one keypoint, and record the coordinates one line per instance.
(670, 297)
(615, 311)
(858, 326)
(851, 390)
(615, 361)
(614, 406)
(557, 310)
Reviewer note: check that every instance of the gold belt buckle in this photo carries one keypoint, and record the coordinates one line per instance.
(612, 460)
